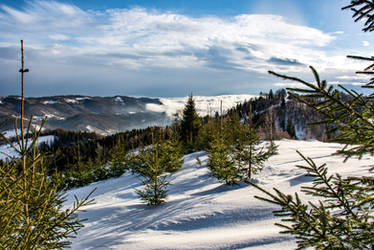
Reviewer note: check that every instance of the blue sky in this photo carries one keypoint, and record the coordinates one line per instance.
(171, 48)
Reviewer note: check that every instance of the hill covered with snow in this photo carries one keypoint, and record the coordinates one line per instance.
(108, 115)
(200, 212)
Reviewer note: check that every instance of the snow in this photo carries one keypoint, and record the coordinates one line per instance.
(83, 98)
(7, 151)
(50, 102)
(300, 132)
(77, 99)
(205, 105)
(118, 99)
(200, 212)
(90, 128)
(11, 133)
(49, 116)
(69, 100)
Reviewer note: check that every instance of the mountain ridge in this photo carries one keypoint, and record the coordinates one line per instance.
(107, 115)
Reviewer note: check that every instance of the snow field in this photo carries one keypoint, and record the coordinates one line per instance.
(6, 151)
(200, 212)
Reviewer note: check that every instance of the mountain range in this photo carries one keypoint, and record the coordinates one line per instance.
(108, 115)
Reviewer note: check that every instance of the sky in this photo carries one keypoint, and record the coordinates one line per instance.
(170, 48)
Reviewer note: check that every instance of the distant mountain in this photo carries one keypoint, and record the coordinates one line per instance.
(108, 115)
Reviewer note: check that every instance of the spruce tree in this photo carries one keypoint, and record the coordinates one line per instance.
(154, 178)
(190, 125)
(269, 125)
(343, 218)
(271, 95)
(248, 153)
(171, 152)
(31, 207)
(220, 162)
(118, 162)
(290, 128)
(155, 164)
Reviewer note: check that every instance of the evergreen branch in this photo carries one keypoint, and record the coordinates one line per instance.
(321, 174)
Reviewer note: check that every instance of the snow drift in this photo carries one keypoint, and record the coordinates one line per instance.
(200, 212)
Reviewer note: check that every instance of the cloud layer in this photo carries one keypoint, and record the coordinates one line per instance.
(151, 52)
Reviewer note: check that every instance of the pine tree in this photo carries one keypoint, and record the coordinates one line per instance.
(190, 125)
(344, 216)
(31, 207)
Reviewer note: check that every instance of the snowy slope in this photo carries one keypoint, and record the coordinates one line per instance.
(201, 213)
(6, 151)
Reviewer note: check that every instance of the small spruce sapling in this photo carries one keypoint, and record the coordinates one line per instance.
(248, 154)
(171, 152)
(154, 178)
(155, 165)
(220, 161)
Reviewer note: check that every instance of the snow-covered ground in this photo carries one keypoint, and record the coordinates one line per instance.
(205, 105)
(6, 151)
(200, 212)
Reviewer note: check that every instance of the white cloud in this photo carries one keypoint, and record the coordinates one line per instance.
(147, 40)
(366, 43)
(19, 16)
(350, 83)
(58, 37)
(288, 84)
(352, 77)
(140, 37)
(42, 16)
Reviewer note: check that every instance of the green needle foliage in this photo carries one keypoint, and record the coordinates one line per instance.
(350, 120)
(221, 164)
(171, 152)
(31, 207)
(155, 190)
(248, 154)
(363, 11)
(343, 218)
(190, 125)
(235, 152)
(155, 164)
(118, 163)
